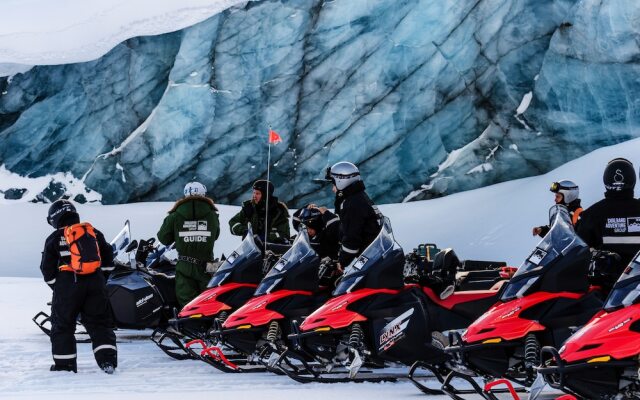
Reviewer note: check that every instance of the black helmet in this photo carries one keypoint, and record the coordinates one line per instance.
(619, 175)
(58, 210)
(312, 218)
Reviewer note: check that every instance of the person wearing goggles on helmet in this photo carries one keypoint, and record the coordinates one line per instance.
(568, 194)
(613, 223)
(360, 220)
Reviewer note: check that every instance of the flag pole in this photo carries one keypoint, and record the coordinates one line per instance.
(266, 211)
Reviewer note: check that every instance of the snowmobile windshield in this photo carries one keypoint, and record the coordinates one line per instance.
(558, 242)
(300, 254)
(120, 243)
(372, 256)
(626, 291)
(247, 252)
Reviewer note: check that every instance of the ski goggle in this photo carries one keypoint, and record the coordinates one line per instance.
(557, 186)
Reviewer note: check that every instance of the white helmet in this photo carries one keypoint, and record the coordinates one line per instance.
(344, 174)
(195, 189)
(568, 189)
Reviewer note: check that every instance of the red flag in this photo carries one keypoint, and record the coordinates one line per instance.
(274, 138)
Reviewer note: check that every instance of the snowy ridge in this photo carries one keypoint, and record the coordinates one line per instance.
(72, 31)
(30, 189)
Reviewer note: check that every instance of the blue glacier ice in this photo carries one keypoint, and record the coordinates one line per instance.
(422, 95)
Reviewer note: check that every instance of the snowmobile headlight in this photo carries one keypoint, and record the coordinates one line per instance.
(244, 326)
(195, 316)
(490, 341)
(322, 329)
(599, 359)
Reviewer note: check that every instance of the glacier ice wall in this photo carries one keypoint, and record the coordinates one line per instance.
(426, 97)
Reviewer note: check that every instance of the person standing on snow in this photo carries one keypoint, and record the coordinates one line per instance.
(568, 194)
(193, 225)
(254, 211)
(72, 257)
(613, 224)
(359, 217)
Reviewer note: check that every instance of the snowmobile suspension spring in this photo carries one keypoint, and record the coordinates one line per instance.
(223, 316)
(355, 338)
(531, 351)
(274, 331)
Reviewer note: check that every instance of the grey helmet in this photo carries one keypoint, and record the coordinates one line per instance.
(568, 189)
(344, 174)
(195, 189)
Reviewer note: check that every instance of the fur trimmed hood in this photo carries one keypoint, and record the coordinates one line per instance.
(193, 198)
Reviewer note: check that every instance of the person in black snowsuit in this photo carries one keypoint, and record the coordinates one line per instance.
(74, 294)
(323, 227)
(566, 193)
(359, 218)
(613, 224)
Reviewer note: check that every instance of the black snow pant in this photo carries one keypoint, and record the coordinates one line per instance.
(84, 295)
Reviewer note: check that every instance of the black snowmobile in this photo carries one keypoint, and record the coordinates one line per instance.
(141, 286)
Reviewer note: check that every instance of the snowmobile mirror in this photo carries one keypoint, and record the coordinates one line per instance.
(448, 291)
(131, 246)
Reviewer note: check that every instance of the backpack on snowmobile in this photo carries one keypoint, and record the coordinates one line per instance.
(84, 249)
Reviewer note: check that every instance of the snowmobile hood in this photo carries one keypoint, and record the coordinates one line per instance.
(334, 314)
(208, 304)
(256, 311)
(503, 321)
(614, 335)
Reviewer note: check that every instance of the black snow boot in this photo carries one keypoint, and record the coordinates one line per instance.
(61, 367)
(107, 367)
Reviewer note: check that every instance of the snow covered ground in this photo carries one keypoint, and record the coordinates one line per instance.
(489, 223)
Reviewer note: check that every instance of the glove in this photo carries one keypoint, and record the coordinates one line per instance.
(212, 266)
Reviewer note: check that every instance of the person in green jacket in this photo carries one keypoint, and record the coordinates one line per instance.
(253, 211)
(194, 226)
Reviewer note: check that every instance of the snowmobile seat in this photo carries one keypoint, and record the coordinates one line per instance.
(477, 280)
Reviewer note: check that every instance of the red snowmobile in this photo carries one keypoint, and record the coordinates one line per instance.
(230, 287)
(246, 340)
(602, 360)
(547, 298)
(375, 320)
